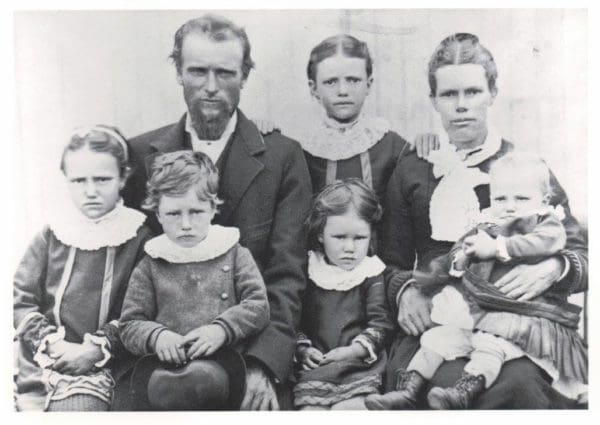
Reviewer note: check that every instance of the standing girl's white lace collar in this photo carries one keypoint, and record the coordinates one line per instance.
(336, 141)
(454, 207)
(217, 242)
(331, 277)
(73, 228)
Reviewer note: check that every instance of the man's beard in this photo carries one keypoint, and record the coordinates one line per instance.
(209, 128)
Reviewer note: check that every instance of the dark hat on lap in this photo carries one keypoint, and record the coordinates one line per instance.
(217, 382)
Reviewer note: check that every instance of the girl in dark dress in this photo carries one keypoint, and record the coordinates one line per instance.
(347, 141)
(345, 318)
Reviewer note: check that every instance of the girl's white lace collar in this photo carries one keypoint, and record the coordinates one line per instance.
(454, 207)
(336, 141)
(331, 277)
(218, 241)
(72, 228)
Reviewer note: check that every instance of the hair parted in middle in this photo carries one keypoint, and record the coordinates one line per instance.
(103, 139)
(459, 49)
(174, 173)
(216, 28)
(338, 198)
(342, 44)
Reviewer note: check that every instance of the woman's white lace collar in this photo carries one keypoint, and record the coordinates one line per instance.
(454, 207)
(218, 241)
(331, 277)
(72, 228)
(447, 158)
(336, 141)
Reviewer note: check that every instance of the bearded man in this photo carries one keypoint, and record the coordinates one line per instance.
(264, 183)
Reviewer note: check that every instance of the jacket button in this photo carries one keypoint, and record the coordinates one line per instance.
(224, 295)
(225, 269)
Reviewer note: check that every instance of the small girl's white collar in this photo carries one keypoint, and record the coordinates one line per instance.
(331, 277)
(217, 242)
(72, 228)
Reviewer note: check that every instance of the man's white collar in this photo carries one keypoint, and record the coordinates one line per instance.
(72, 228)
(331, 277)
(217, 242)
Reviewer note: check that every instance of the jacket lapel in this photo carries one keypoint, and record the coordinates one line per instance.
(173, 139)
(241, 165)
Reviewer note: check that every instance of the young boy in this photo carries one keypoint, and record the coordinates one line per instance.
(196, 297)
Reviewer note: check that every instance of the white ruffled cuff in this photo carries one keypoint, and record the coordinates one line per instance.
(566, 269)
(101, 342)
(364, 341)
(453, 271)
(502, 250)
(402, 289)
(41, 357)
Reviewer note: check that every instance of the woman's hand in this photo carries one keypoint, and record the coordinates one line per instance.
(169, 347)
(414, 311)
(425, 143)
(206, 340)
(309, 357)
(265, 126)
(350, 352)
(526, 281)
(78, 359)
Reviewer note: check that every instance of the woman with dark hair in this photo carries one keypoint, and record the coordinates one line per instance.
(430, 203)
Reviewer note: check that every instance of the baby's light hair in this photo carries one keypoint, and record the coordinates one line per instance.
(337, 199)
(174, 173)
(526, 165)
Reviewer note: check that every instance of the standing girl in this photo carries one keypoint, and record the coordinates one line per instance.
(345, 319)
(70, 284)
(347, 142)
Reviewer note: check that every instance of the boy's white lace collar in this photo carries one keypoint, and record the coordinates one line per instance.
(336, 141)
(217, 242)
(73, 228)
(330, 277)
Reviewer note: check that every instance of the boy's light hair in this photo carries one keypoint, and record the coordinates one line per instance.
(174, 173)
(526, 165)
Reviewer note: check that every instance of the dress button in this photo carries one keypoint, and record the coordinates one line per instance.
(225, 269)
(224, 295)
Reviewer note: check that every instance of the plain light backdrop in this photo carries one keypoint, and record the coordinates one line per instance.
(85, 67)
